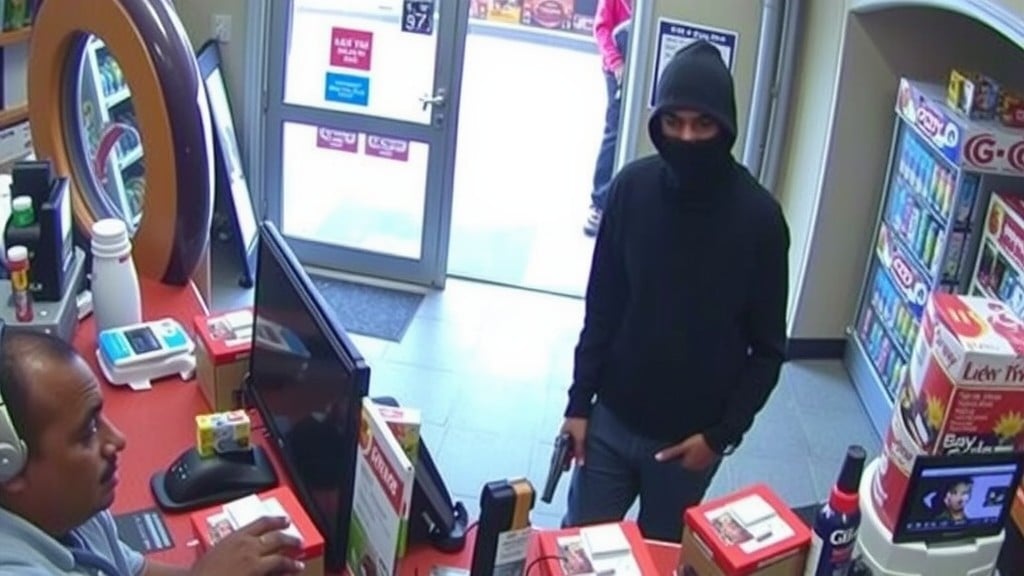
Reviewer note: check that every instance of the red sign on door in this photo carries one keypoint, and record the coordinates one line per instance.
(351, 48)
(387, 147)
(340, 140)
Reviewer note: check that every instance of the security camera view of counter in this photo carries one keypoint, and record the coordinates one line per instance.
(512, 288)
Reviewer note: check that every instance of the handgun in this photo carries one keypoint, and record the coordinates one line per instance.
(561, 457)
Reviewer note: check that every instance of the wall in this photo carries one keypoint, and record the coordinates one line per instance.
(197, 16)
(811, 110)
(840, 133)
(742, 16)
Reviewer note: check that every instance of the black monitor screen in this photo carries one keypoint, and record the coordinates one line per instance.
(308, 381)
(958, 497)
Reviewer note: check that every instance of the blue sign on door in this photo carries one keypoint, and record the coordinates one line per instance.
(347, 89)
(418, 16)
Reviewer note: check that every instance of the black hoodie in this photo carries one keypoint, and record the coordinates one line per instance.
(685, 327)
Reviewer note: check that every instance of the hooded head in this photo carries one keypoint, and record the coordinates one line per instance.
(694, 121)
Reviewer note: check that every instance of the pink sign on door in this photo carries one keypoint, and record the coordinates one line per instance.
(339, 140)
(351, 48)
(386, 147)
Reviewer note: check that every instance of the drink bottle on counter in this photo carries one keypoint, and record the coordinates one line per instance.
(834, 534)
(115, 283)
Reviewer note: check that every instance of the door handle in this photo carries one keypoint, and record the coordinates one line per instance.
(437, 100)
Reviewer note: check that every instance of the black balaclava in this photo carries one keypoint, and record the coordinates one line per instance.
(697, 79)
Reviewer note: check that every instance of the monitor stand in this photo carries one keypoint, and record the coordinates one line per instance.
(973, 557)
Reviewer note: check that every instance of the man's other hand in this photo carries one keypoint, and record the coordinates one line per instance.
(693, 453)
(258, 549)
(577, 428)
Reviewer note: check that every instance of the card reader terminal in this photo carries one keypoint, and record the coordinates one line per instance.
(139, 353)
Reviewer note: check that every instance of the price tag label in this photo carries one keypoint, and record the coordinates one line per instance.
(418, 16)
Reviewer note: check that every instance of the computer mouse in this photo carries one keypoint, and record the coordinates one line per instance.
(192, 481)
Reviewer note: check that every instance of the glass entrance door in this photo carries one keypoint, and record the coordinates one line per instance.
(361, 118)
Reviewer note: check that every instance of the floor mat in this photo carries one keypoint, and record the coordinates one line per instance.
(372, 311)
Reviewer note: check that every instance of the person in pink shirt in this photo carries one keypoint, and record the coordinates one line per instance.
(611, 30)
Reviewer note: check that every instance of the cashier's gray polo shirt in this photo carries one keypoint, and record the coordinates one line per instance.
(27, 550)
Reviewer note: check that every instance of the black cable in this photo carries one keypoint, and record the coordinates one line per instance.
(537, 561)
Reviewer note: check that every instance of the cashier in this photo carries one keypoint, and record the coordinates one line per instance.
(58, 476)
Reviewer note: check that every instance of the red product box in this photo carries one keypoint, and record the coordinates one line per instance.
(1011, 109)
(551, 549)
(964, 392)
(748, 533)
(224, 344)
(210, 525)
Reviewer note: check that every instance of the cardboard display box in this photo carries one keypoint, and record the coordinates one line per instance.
(223, 347)
(213, 524)
(382, 495)
(964, 392)
(747, 533)
(555, 544)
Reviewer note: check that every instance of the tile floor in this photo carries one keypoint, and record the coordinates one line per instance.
(489, 367)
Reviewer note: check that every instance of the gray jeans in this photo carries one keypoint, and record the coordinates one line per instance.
(620, 466)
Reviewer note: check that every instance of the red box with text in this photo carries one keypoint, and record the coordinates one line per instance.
(211, 525)
(964, 392)
(751, 532)
(551, 556)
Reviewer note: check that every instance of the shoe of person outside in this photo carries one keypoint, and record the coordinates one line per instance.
(593, 221)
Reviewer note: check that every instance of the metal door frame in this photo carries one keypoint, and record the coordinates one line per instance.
(431, 268)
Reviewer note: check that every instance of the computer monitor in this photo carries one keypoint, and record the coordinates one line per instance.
(958, 497)
(307, 380)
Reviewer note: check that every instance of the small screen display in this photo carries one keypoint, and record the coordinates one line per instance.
(142, 340)
(964, 501)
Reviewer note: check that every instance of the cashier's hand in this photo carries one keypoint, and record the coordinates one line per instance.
(693, 453)
(258, 549)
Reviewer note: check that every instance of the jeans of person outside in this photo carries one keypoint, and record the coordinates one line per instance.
(619, 466)
(605, 164)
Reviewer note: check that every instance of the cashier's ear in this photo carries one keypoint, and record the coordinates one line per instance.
(13, 486)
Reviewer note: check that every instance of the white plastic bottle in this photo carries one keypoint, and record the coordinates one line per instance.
(115, 283)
